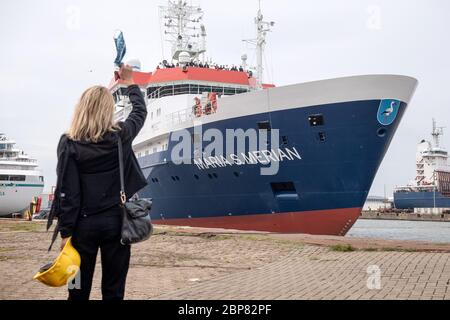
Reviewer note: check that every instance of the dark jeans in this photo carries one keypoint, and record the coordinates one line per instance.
(101, 231)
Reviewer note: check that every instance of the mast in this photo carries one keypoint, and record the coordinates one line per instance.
(437, 132)
(183, 29)
(262, 27)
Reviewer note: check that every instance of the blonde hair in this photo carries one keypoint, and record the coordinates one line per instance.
(94, 116)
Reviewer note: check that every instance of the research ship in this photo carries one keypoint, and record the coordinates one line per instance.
(20, 179)
(431, 188)
(319, 144)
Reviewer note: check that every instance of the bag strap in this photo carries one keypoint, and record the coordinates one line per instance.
(123, 196)
(54, 236)
(57, 196)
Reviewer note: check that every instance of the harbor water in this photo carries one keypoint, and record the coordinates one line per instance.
(437, 232)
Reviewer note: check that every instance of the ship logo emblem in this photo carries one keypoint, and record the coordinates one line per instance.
(388, 111)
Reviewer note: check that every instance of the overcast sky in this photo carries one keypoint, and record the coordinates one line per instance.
(52, 50)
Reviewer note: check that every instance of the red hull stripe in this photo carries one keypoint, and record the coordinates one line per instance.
(324, 222)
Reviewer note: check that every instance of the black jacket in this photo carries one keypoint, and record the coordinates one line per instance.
(88, 173)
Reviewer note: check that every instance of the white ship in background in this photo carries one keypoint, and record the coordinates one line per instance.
(431, 188)
(20, 179)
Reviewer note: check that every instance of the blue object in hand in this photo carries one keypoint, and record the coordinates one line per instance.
(120, 47)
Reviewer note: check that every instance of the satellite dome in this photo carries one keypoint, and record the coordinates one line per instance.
(184, 57)
(135, 64)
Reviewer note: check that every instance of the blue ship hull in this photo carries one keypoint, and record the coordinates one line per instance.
(412, 200)
(328, 186)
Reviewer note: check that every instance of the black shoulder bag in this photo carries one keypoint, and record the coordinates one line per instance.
(136, 222)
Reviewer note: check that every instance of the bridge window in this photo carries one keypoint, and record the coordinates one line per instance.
(16, 178)
(230, 91)
(193, 88)
(205, 89)
(171, 90)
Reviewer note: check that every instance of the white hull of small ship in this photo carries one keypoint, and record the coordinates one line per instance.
(16, 196)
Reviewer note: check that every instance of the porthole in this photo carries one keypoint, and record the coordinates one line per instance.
(382, 132)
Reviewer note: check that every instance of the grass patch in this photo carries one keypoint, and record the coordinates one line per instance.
(342, 248)
(22, 226)
(212, 236)
(207, 236)
(252, 237)
(399, 250)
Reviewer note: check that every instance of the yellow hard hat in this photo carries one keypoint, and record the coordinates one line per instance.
(63, 269)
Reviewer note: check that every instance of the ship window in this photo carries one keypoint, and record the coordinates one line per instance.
(215, 175)
(151, 90)
(196, 177)
(205, 89)
(41, 179)
(181, 89)
(4, 177)
(193, 88)
(158, 112)
(166, 91)
(264, 125)
(17, 178)
(236, 174)
(283, 187)
(218, 90)
(229, 91)
(316, 120)
(322, 136)
(284, 140)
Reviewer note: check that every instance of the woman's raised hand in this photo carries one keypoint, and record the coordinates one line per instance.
(126, 75)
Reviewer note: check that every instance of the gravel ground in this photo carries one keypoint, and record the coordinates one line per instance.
(174, 258)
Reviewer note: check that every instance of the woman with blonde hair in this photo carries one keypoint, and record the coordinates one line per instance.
(87, 197)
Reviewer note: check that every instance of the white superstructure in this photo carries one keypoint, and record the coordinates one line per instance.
(431, 159)
(20, 179)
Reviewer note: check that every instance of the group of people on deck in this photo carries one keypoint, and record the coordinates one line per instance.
(167, 65)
